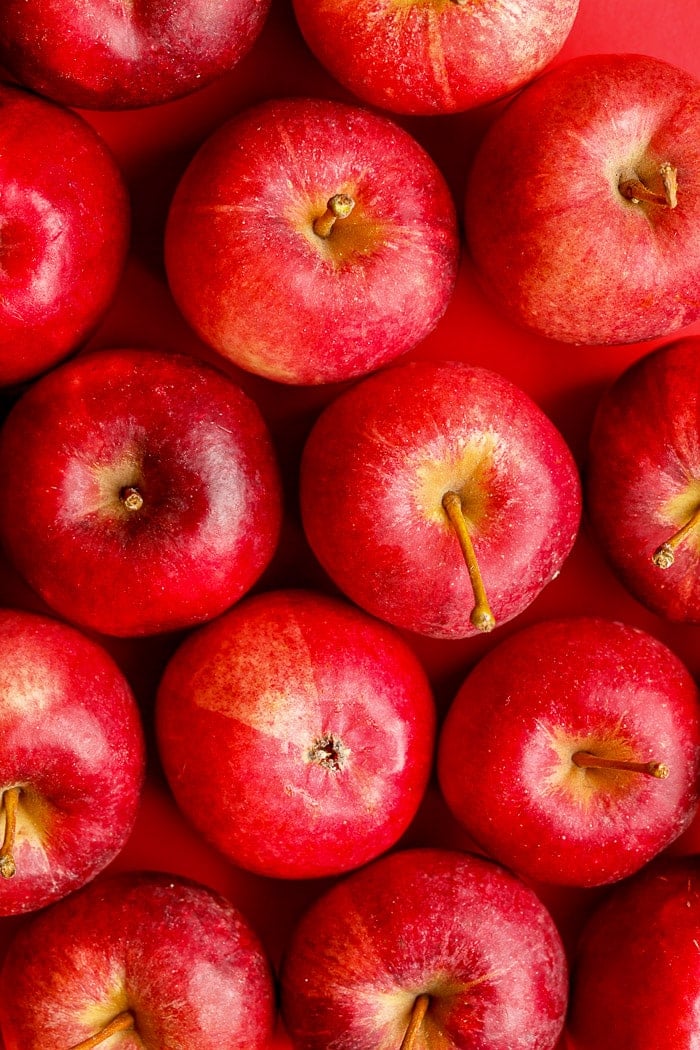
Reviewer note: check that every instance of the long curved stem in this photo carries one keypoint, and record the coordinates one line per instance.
(481, 615)
(121, 1023)
(420, 1008)
(664, 555)
(8, 802)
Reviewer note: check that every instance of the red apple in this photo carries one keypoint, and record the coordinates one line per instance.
(71, 761)
(572, 751)
(643, 481)
(64, 229)
(311, 241)
(296, 734)
(138, 960)
(102, 55)
(426, 950)
(414, 463)
(434, 58)
(145, 493)
(583, 207)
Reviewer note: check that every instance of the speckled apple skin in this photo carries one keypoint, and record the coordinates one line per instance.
(457, 927)
(179, 956)
(64, 229)
(574, 681)
(106, 55)
(202, 457)
(257, 284)
(71, 735)
(377, 526)
(412, 57)
(554, 240)
(643, 477)
(244, 699)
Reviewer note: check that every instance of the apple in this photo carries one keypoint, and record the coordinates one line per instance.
(296, 734)
(439, 497)
(426, 949)
(638, 965)
(310, 241)
(145, 492)
(64, 230)
(583, 204)
(643, 479)
(71, 762)
(572, 751)
(100, 55)
(435, 58)
(138, 959)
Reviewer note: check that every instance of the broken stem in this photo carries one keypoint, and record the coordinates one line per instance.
(338, 207)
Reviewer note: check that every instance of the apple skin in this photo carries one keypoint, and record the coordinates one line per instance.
(72, 740)
(280, 684)
(98, 55)
(637, 968)
(178, 956)
(553, 238)
(64, 231)
(505, 756)
(454, 926)
(259, 285)
(645, 449)
(373, 475)
(439, 58)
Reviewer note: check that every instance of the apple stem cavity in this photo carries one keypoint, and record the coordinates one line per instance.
(633, 189)
(123, 1022)
(329, 752)
(481, 615)
(664, 556)
(420, 1008)
(8, 802)
(338, 207)
(585, 760)
(131, 497)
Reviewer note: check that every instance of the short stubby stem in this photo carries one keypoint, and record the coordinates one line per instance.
(338, 207)
(585, 760)
(664, 556)
(481, 615)
(8, 803)
(633, 189)
(420, 1008)
(131, 498)
(121, 1023)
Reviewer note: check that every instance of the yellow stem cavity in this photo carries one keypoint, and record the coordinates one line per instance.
(420, 1008)
(585, 760)
(8, 802)
(338, 207)
(634, 190)
(664, 556)
(481, 615)
(121, 1023)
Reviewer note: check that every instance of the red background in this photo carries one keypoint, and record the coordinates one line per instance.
(153, 147)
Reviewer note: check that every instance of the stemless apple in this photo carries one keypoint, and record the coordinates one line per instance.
(71, 761)
(439, 497)
(310, 241)
(64, 229)
(643, 479)
(296, 734)
(147, 961)
(583, 206)
(572, 751)
(145, 492)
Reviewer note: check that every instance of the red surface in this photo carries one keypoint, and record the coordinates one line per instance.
(153, 146)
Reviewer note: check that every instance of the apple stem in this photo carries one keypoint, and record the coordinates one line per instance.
(121, 1023)
(420, 1008)
(8, 802)
(635, 191)
(663, 557)
(584, 760)
(338, 207)
(481, 615)
(131, 497)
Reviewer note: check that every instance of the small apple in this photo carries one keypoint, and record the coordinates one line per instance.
(310, 241)
(296, 734)
(583, 206)
(64, 230)
(145, 492)
(426, 949)
(71, 762)
(100, 55)
(572, 751)
(643, 479)
(137, 960)
(424, 467)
